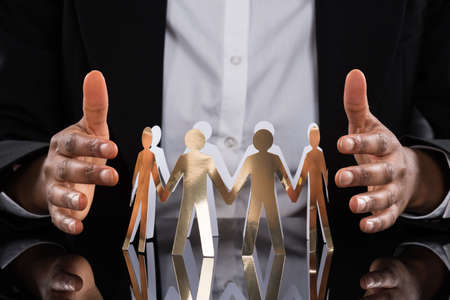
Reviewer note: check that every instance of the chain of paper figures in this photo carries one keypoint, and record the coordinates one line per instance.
(202, 166)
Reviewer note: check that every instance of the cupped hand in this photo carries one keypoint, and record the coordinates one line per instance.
(75, 164)
(388, 170)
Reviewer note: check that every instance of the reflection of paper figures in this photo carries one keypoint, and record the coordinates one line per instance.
(261, 167)
(318, 277)
(195, 166)
(213, 151)
(271, 288)
(275, 149)
(314, 168)
(160, 159)
(146, 167)
(205, 281)
(142, 273)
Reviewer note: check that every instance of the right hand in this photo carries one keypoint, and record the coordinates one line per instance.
(75, 163)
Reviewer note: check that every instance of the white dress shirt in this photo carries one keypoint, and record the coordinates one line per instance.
(234, 63)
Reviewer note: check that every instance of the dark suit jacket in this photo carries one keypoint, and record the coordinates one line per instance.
(48, 46)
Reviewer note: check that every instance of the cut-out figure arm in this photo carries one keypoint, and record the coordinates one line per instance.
(302, 179)
(157, 180)
(137, 167)
(323, 169)
(284, 178)
(177, 172)
(218, 182)
(241, 178)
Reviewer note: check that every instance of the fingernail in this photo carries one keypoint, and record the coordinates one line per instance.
(106, 176)
(370, 283)
(70, 223)
(63, 286)
(346, 178)
(362, 202)
(106, 149)
(75, 199)
(348, 144)
(370, 225)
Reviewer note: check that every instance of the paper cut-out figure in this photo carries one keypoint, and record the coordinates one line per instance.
(213, 151)
(145, 166)
(275, 149)
(314, 169)
(194, 166)
(164, 170)
(262, 167)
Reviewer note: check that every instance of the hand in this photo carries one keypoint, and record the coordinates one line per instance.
(63, 182)
(395, 176)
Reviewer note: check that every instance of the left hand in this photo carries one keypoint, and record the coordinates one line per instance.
(389, 170)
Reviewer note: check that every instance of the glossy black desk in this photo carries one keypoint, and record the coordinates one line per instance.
(103, 270)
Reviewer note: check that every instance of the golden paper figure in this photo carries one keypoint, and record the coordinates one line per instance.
(262, 167)
(194, 166)
(145, 167)
(314, 168)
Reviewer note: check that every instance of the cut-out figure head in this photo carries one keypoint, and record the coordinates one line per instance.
(156, 133)
(194, 140)
(314, 135)
(147, 137)
(205, 128)
(263, 140)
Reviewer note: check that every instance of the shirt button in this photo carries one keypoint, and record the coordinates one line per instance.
(230, 142)
(236, 60)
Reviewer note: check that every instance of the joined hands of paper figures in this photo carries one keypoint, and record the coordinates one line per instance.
(195, 167)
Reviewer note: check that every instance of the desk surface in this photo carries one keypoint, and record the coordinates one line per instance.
(48, 259)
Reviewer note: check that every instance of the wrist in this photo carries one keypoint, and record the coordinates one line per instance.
(429, 181)
(27, 187)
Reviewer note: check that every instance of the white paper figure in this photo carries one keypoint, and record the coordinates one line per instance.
(165, 174)
(274, 149)
(213, 151)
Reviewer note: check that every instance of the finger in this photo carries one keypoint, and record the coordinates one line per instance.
(66, 282)
(75, 144)
(365, 175)
(77, 171)
(63, 221)
(95, 104)
(62, 196)
(385, 278)
(355, 100)
(373, 201)
(381, 221)
(367, 143)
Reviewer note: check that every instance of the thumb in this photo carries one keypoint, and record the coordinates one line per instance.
(95, 104)
(355, 100)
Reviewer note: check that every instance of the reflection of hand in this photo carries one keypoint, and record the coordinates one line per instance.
(418, 274)
(52, 274)
(64, 181)
(397, 177)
